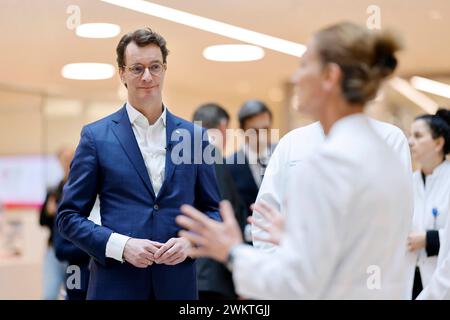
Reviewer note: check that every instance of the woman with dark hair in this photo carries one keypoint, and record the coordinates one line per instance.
(349, 204)
(430, 143)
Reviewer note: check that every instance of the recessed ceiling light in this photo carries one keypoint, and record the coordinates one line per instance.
(97, 30)
(233, 52)
(213, 26)
(431, 86)
(88, 71)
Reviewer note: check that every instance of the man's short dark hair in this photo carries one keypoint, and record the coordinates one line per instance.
(211, 115)
(250, 109)
(142, 37)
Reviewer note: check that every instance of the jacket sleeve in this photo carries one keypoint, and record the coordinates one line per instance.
(79, 196)
(67, 251)
(207, 194)
(432, 243)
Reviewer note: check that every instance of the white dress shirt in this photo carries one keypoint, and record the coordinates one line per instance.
(257, 163)
(434, 194)
(349, 211)
(151, 139)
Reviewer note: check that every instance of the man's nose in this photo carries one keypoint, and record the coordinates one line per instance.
(146, 76)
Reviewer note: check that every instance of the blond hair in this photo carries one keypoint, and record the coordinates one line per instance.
(365, 57)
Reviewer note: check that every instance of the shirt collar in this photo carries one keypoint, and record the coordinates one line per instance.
(356, 119)
(252, 154)
(136, 116)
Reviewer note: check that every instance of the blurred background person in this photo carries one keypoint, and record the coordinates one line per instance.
(77, 273)
(430, 143)
(247, 165)
(295, 147)
(54, 270)
(214, 279)
(349, 242)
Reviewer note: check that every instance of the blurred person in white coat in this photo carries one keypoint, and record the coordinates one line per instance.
(438, 288)
(294, 148)
(349, 242)
(430, 143)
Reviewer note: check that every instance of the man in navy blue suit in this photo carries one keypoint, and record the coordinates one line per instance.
(248, 164)
(128, 159)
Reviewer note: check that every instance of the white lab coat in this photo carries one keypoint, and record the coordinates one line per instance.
(349, 242)
(434, 194)
(301, 143)
(438, 287)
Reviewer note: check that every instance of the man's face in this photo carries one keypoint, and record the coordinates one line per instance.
(147, 87)
(218, 136)
(255, 136)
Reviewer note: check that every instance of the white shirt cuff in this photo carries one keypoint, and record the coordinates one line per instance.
(115, 246)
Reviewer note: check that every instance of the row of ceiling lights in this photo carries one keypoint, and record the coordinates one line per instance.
(100, 71)
(238, 52)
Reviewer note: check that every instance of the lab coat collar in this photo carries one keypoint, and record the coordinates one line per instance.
(445, 165)
(355, 120)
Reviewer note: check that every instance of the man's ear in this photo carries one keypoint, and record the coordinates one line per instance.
(122, 77)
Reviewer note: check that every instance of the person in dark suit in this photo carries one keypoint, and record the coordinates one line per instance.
(65, 251)
(214, 280)
(142, 162)
(54, 268)
(77, 272)
(247, 165)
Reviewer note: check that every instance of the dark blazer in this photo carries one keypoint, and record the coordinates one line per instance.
(212, 275)
(76, 258)
(243, 179)
(67, 251)
(108, 162)
(46, 219)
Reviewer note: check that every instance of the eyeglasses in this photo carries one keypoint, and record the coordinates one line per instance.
(156, 69)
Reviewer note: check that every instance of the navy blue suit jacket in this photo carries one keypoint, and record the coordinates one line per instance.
(243, 179)
(108, 162)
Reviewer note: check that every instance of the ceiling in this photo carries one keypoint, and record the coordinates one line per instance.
(36, 42)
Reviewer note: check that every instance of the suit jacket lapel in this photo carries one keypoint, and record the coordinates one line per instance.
(124, 133)
(248, 171)
(172, 123)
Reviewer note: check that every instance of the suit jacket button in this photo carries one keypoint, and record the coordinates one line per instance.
(156, 207)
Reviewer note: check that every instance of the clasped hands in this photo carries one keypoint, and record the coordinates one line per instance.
(142, 253)
(210, 238)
